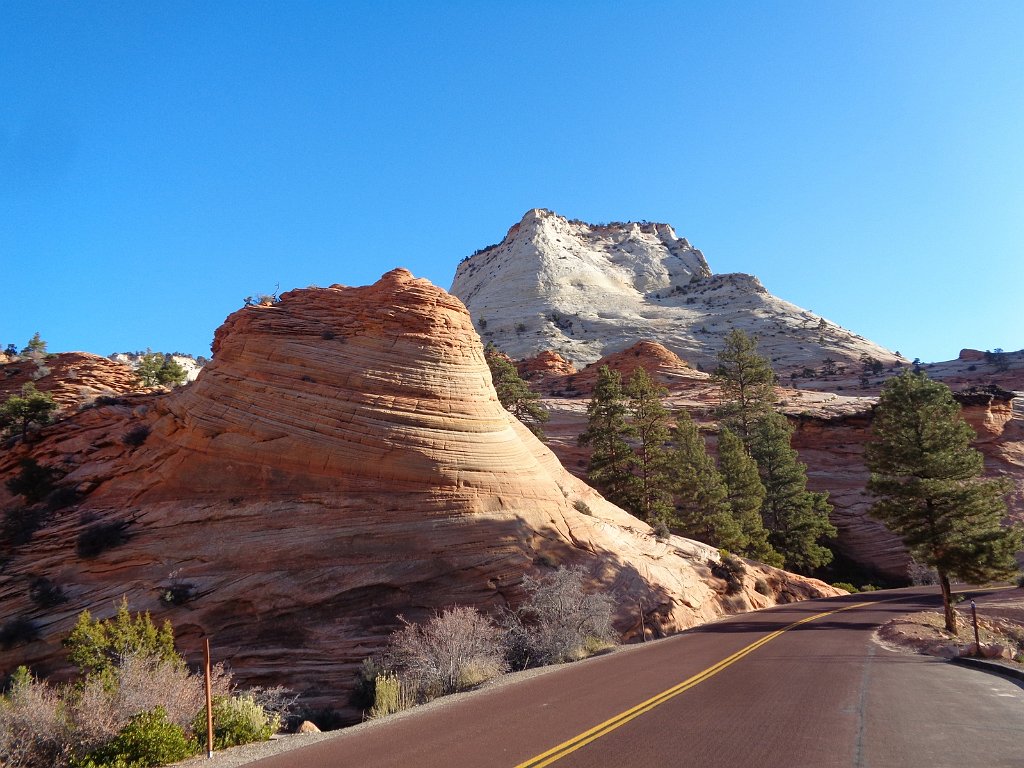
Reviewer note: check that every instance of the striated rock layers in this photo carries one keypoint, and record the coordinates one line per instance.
(585, 291)
(342, 460)
(72, 378)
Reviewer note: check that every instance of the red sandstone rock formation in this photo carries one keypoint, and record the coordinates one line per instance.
(342, 460)
(73, 378)
(547, 363)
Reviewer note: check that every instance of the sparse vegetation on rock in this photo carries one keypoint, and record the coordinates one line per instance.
(514, 394)
(32, 408)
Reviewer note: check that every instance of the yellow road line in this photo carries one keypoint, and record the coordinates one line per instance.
(573, 744)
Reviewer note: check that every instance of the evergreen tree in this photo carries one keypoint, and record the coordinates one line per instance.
(96, 645)
(745, 494)
(746, 381)
(35, 346)
(649, 427)
(514, 394)
(797, 519)
(702, 509)
(155, 369)
(171, 373)
(612, 459)
(930, 489)
(19, 412)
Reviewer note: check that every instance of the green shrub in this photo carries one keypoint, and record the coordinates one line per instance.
(95, 645)
(391, 695)
(869, 588)
(845, 585)
(1020, 581)
(761, 587)
(148, 740)
(18, 631)
(661, 531)
(730, 569)
(34, 481)
(98, 538)
(582, 507)
(236, 720)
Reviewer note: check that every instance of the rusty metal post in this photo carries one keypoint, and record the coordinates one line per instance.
(209, 701)
(974, 617)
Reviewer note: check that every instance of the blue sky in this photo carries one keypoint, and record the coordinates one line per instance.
(160, 161)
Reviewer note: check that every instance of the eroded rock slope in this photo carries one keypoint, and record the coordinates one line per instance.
(342, 460)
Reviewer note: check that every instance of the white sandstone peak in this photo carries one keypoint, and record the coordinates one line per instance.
(588, 290)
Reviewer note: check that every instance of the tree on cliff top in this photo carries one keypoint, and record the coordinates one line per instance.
(514, 394)
(929, 486)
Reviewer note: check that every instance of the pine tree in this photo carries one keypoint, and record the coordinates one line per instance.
(35, 346)
(649, 421)
(746, 381)
(797, 519)
(514, 394)
(608, 429)
(930, 489)
(745, 494)
(156, 368)
(702, 508)
(19, 412)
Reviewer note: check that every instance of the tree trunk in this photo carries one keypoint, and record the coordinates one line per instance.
(947, 602)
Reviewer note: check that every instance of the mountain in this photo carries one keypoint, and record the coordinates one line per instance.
(587, 290)
(342, 461)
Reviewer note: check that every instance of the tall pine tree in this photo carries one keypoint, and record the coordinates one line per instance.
(747, 384)
(797, 519)
(702, 509)
(608, 429)
(649, 421)
(930, 489)
(745, 494)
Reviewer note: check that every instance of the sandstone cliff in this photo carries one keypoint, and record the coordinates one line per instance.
(72, 378)
(585, 291)
(342, 460)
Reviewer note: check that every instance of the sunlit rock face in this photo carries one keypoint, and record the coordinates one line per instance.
(341, 461)
(588, 290)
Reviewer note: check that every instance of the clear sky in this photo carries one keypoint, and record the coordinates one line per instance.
(160, 161)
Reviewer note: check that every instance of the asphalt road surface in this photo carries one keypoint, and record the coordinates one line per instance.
(794, 686)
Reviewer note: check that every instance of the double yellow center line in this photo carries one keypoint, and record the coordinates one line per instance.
(575, 743)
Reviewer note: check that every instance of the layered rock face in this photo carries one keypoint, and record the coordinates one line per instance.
(585, 291)
(342, 460)
(72, 378)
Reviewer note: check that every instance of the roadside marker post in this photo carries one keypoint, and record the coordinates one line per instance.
(974, 618)
(209, 700)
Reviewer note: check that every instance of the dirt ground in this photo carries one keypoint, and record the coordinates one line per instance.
(1000, 629)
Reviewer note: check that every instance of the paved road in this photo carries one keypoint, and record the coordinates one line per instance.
(799, 685)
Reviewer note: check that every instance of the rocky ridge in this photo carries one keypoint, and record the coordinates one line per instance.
(342, 460)
(585, 291)
(73, 379)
